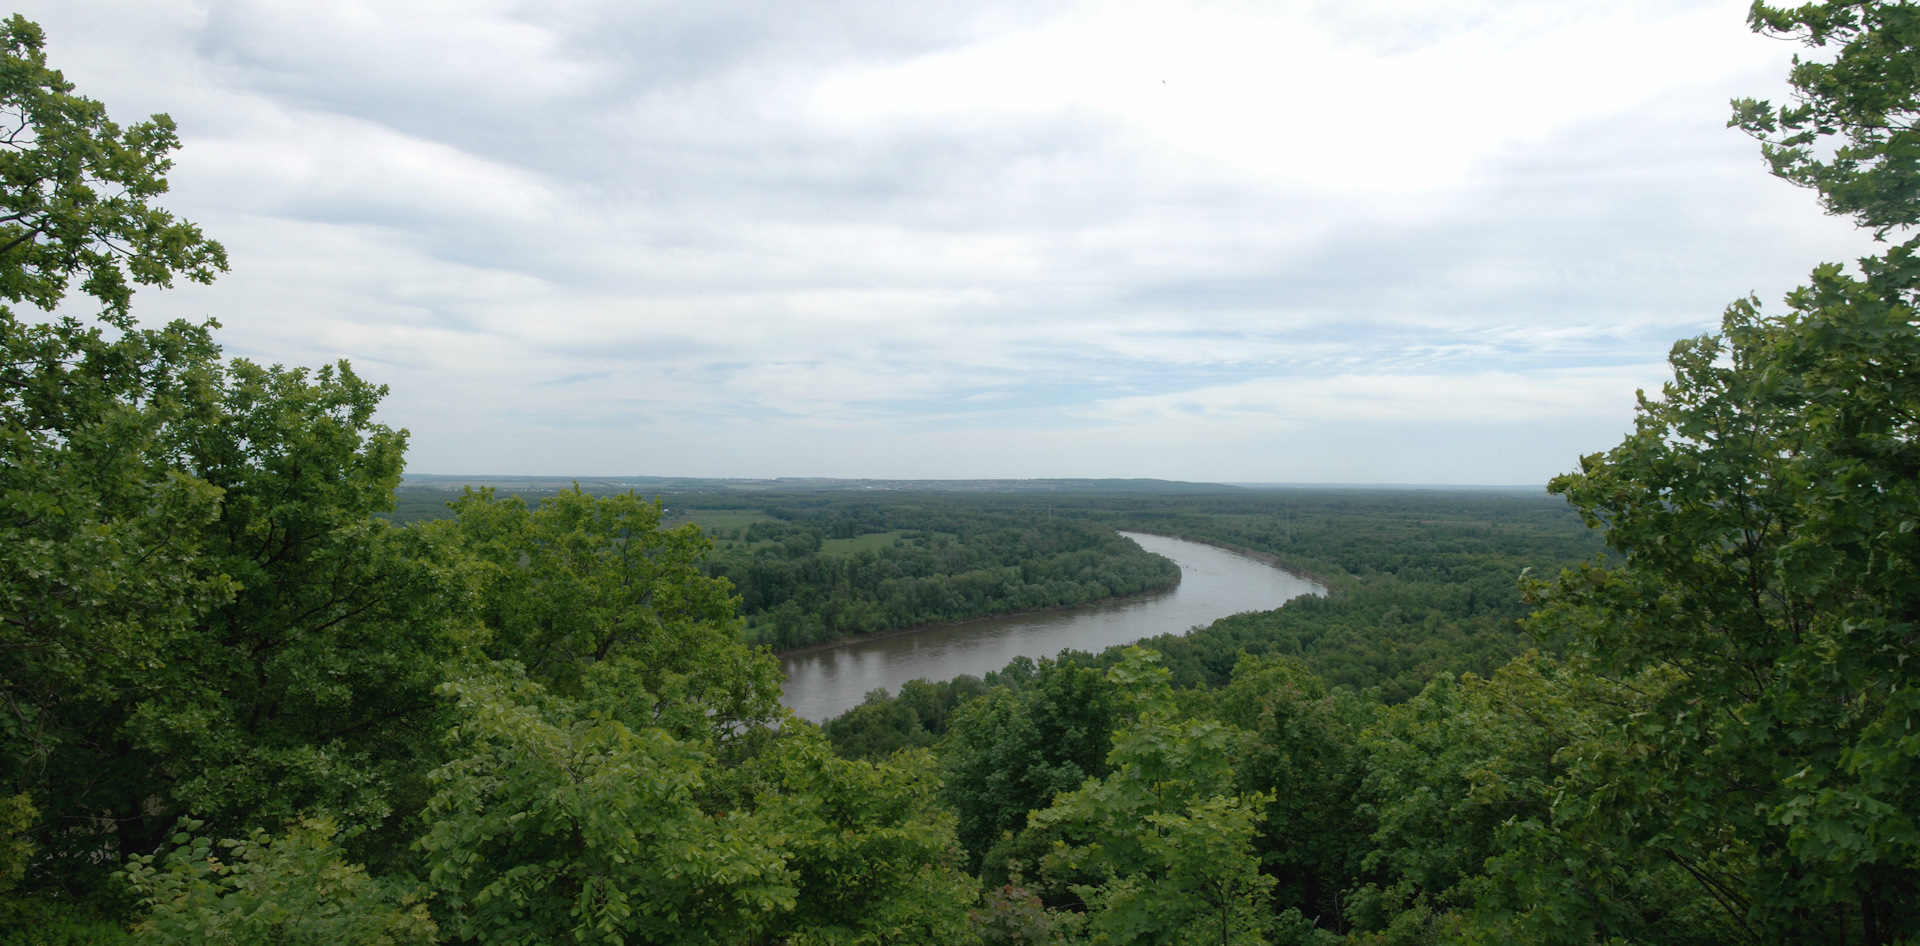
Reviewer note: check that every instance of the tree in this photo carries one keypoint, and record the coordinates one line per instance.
(1165, 835)
(297, 673)
(557, 825)
(76, 192)
(1763, 512)
(313, 686)
(1303, 752)
(1011, 751)
(589, 594)
(199, 608)
(1765, 597)
(100, 528)
(871, 850)
(1868, 95)
(293, 888)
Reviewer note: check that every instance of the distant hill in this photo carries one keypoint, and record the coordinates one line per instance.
(676, 484)
(1540, 487)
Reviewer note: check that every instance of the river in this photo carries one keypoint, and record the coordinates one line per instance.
(1214, 583)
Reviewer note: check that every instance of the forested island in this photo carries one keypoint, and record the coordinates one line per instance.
(247, 695)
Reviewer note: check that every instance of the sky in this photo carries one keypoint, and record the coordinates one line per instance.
(1329, 241)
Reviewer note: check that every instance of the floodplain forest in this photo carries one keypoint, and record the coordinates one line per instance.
(247, 697)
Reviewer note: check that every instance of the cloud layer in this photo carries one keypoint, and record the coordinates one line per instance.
(1310, 241)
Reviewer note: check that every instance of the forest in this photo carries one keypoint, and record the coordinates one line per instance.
(245, 699)
(1422, 583)
(821, 566)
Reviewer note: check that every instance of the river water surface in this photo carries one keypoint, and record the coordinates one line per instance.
(1213, 584)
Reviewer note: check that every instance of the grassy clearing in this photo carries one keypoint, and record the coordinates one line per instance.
(713, 522)
(871, 542)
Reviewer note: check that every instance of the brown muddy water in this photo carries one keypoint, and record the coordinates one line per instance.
(1214, 583)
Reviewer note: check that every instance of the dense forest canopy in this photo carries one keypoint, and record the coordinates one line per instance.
(245, 699)
(827, 563)
(817, 567)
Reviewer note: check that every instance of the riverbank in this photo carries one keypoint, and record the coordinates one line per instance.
(941, 625)
(1254, 554)
(1215, 583)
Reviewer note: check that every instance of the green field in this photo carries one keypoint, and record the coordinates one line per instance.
(716, 523)
(871, 542)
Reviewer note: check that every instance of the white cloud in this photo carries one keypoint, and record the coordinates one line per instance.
(1365, 240)
(1480, 398)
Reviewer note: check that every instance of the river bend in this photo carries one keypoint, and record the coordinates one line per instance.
(1214, 583)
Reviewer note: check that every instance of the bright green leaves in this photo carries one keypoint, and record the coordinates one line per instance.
(201, 611)
(548, 827)
(584, 800)
(17, 817)
(312, 688)
(590, 595)
(1758, 509)
(1764, 605)
(1185, 875)
(102, 529)
(294, 888)
(1735, 759)
(1445, 770)
(1011, 751)
(1164, 840)
(872, 854)
(75, 191)
(1867, 95)
(554, 825)
(101, 537)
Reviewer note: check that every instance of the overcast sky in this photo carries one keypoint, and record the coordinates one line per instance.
(1430, 241)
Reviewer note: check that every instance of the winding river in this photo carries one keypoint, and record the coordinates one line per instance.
(1214, 583)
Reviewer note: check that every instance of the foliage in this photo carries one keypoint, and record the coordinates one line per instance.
(312, 687)
(75, 191)
(187, 573)
(1764, 510)
(53, 921)
(1013, 750)
(97, 529)
(590, 594)
(1868, 93)
(17, 817)
(292, 888)
(99, 551)
(1304, 752)
(872, 855)
(1446, 770)
(1762, 608)
(1164, 834)
(1454, 777)
(1568, 864)
(1011, 915)
(884, 724)
(553, 826)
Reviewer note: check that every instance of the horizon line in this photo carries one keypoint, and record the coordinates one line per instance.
(1237, 484)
